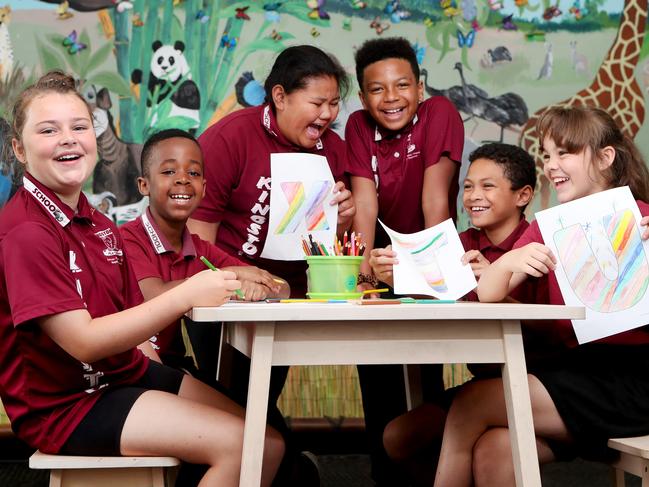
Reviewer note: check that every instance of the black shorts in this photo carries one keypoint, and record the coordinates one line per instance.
(100, 431)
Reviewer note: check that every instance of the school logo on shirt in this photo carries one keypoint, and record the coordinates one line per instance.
(411, 148)
(112, 253)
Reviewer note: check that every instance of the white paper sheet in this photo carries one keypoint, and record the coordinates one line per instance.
(602, 261)
(429, 262)
(301, 189)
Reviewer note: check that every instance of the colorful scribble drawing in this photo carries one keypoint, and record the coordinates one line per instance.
(605, 264)
(424, 254)
(304, 207)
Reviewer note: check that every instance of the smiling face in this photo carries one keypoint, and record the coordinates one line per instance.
(574, 175)
(175, 183)
(489, 199)
(391, 93)
(304, 114)
(58, 144)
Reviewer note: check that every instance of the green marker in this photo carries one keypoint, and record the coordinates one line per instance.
(211, 266)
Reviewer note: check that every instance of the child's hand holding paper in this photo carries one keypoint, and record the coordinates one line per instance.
(382, 262)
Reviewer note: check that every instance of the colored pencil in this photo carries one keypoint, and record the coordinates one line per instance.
(211, 266)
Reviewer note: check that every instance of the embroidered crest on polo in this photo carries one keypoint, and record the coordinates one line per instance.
(153, 235)
(111, 251)
(46, 202)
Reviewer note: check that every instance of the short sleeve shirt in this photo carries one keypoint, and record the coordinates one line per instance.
(562, 329)
(396, 161)
(237, 153)
(153, 256)
(475, 239)
(54, 260)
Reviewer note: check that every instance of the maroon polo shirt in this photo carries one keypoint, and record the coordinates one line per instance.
(237, 153)
(475, 239)
(396, 161)
(152, 255)
(562, 329)
(54, 260)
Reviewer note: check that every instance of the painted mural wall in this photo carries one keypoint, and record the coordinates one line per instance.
(148, 65)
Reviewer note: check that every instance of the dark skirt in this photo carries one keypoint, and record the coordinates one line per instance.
(600, 391)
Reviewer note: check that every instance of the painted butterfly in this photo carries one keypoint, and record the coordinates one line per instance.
(428, 22)
(347, 23)
(314, 32)
(62, 12)
(466, 40)
(276, 36)
(241, 13)
(317, 9)
(551, 12)
(378, 26)
(137, 20)
(228, 42)
(70, 41)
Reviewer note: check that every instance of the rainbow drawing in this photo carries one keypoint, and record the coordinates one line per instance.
(424, 255)
(605, 265)
(304, 207)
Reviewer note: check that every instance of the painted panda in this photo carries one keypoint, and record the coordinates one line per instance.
(168, 66)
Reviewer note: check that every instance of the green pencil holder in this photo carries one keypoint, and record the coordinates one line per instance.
(333, 275)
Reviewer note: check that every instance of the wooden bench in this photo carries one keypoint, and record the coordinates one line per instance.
(634, 458)
(81, 471)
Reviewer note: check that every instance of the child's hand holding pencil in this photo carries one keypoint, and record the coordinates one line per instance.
(208, 288)
(231, 283)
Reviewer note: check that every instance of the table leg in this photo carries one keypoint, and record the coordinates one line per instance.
(257, 405)
(519, 408)
(412, 379)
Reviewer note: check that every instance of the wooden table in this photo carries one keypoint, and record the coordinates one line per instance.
(347, 333)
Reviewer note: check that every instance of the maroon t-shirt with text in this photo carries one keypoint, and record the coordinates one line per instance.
(237, 153)
(54, 260)
(562, 330)
(396, 161)
(152, 256)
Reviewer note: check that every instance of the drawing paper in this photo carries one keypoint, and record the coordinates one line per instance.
(301, 189)
(429, 262)
(602, 261)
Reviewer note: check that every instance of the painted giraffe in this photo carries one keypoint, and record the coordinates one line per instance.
(614, 88)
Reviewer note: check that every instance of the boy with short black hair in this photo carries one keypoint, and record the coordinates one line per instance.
(163, 251)
(403, 157)
(498, 187)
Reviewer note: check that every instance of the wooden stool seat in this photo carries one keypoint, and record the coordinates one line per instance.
(80, 471)
(634, 458)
